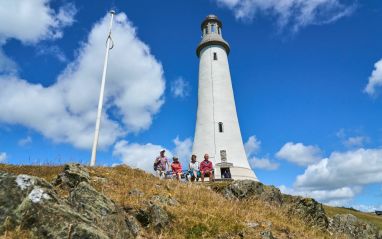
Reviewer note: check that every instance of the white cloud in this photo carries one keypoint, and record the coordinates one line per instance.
(33, 20)
(293, 13)
(138, 155)
(375, 80)
(25, 141)
(263, 163)
(356, 141)
(180, 88)
(343, 169)
(368, 208)
(7, 65)
(334, 197)
(183, 150)
(3, 157)
(352, 141)
(54, 51)
(336, 180)
(143, 155)
(65, 111)
(252, 146)
(299, 154)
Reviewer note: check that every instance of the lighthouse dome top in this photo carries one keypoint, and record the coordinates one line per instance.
(211, 18)
(212, 34)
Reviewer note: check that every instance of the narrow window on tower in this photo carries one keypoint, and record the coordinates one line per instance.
(215, 56)
(213, 28)
(220, 127)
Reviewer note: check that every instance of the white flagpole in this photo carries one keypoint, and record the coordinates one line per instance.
(101, 94)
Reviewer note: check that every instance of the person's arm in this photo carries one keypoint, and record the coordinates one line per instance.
(211, 167)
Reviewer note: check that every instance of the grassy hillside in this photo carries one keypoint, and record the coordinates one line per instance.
(200, 212)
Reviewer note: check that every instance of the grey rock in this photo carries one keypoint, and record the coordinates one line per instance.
(32, 204)
(353, 227)
(153, 216)
(267, 235)
(72, 175)
(308, 209)
(252, 224)
(164, 200)
(159, 217)
(243, 189)
(136, 192)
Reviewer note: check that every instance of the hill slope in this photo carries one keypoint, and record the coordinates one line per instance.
(155, 208)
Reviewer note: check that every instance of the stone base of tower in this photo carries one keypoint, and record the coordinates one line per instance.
(237, 173)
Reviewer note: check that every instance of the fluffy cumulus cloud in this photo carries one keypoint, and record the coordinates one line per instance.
(66, 111)
(33, 20)
(180, 88)
(334, 197)
(3, 157)
(375, 80)
(16, 23)
(293, 13)
(252, 147)
(339, 177)
(341, 169)
(183, 150)
(299, 153)
(143, 155)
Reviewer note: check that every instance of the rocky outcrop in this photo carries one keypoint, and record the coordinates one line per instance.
(353, 227)
(307, 209)
(32, 204)
(244, 189)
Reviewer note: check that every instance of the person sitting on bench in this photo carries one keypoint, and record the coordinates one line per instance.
(207, 169)
(193, 168)
(176, 168)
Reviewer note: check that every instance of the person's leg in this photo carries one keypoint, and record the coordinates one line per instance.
(202, 176)
(162, 174)
(159, 173)
(211, 176)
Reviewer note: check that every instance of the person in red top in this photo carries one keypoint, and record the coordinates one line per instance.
(176, 168)
(206, 168)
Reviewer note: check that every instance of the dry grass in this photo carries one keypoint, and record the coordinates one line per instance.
(201, 212)
(369, 217)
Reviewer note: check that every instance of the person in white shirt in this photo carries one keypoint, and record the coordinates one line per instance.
(193, 168)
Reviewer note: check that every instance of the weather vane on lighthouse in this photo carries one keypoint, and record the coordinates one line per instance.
(217, 131)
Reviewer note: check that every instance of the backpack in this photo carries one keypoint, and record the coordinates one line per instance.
(156, 163)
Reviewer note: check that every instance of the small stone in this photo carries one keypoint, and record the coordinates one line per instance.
(267, 235)
(136, 192)
(252, 224)
(165, 200)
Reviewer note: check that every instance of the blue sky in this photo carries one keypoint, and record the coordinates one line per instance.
(307, 77)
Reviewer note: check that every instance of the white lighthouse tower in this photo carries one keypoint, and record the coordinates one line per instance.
(217, 130)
